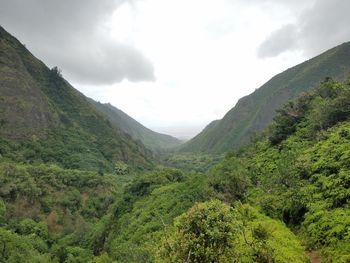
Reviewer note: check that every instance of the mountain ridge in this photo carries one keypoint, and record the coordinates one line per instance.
(253, 113)
(44, 118)
(153, 140)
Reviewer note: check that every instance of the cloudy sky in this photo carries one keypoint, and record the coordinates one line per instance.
(175, 65)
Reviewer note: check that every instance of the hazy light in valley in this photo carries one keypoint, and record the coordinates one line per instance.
(175, 65)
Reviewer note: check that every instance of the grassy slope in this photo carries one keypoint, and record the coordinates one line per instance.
(44, 119)
(254, 112)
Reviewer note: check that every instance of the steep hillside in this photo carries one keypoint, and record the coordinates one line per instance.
(44, 119)
(299, 170)
(254, 112)
(294, 176)
(152, 140)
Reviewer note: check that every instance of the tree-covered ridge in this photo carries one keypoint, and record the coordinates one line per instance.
(44, 119)
(152, 140)
(253, 113)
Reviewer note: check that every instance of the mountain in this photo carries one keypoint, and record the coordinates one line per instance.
(152, 140)
(44, 119)
(255, 112)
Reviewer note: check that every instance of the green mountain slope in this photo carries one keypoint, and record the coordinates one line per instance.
(44, 119)
(299, 170)
(152, 140)
(254, 112)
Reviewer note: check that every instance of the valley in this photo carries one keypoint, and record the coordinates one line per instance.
(81, 181)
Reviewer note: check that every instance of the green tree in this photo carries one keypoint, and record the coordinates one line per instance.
(121, 168)
(104, 258)
(206, 233)
(15, 248)
(229, 180)
(2, 212)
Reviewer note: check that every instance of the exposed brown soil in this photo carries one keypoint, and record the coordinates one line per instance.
(314, 257)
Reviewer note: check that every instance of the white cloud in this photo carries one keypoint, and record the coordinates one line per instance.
(279, 41)
(205, 60)
(318, 28)
(75, 37)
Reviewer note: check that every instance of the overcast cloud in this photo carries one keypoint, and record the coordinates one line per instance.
(318, 28)
(74, 36)
(279, 41)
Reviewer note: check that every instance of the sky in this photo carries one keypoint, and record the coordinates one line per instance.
(175, 65)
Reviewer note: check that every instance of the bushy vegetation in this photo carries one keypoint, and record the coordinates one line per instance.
(150, 204)
(297, 174)
(49, 214)
(300, 169)
(285, 193)
(191, 162)
(216, 232)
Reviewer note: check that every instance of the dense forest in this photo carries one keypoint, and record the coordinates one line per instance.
(285, 193)
(76, 188)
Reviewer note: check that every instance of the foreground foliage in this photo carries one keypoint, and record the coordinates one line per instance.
(48, 214)
(216, 232)
(291, 184)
